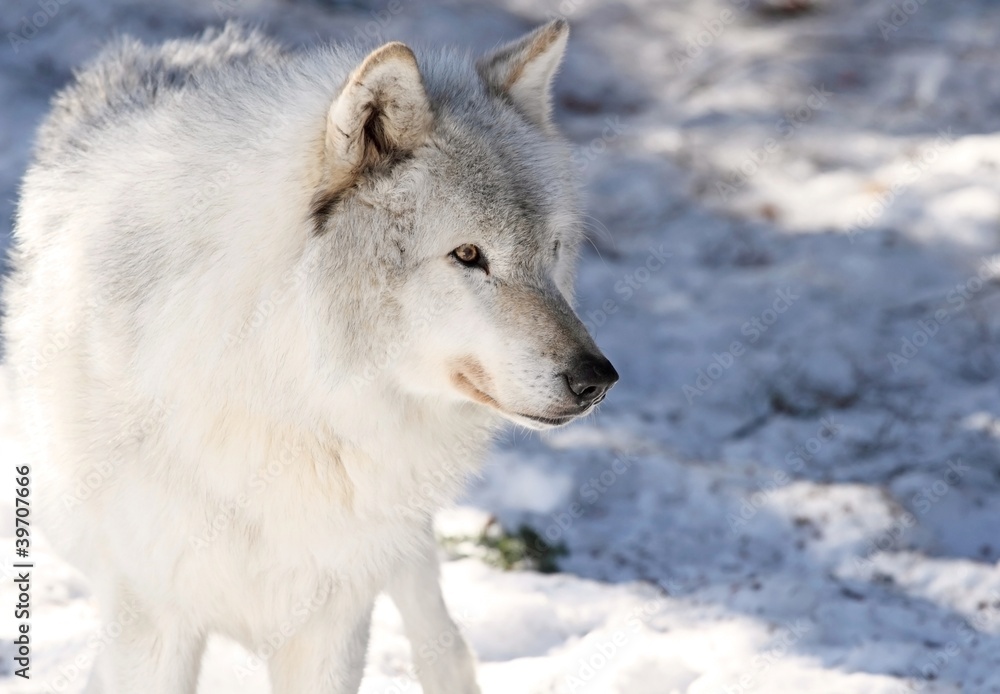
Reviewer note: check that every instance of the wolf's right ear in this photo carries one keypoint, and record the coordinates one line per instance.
(382, 113)
(522, 71)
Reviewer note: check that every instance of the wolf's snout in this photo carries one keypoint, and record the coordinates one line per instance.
(590, 378)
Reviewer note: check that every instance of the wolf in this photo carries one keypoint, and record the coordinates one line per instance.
(267, 310)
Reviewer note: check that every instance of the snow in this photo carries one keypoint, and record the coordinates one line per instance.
(800, 500)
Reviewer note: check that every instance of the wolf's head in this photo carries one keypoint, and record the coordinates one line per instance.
(457, 198)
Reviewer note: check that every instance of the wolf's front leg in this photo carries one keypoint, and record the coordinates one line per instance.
(151, 652)
(444, 662)
(326, 654)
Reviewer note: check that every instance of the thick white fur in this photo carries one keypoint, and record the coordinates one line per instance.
(187, 356)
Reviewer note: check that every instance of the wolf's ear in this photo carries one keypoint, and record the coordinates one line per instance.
(381, 114)
(523, 70)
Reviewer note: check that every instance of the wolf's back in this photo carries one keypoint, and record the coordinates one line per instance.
(129, 76)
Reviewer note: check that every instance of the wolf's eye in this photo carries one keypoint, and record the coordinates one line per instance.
(469, 255)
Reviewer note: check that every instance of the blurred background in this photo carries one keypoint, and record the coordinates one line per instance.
(793, 214)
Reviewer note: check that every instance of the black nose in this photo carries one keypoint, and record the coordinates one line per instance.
(590, 378)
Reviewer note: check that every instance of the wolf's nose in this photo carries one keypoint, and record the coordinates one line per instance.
(590, 378)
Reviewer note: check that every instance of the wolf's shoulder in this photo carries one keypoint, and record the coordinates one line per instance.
(129, 76)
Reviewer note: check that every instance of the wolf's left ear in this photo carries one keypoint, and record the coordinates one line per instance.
(381, 113)
(523, 70)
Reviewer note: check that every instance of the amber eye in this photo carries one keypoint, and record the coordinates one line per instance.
(469, 255)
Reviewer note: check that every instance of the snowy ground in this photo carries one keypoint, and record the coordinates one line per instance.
(795, 222)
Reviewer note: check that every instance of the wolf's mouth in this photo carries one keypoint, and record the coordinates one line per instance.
(466, 384)
(551, 421)
(559, 420)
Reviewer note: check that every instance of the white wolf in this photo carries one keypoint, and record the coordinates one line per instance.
(266, 312)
